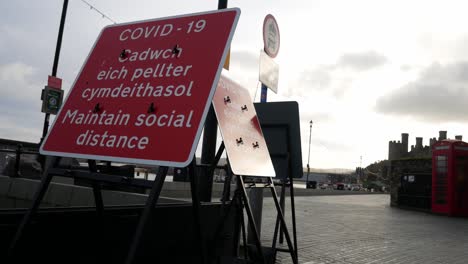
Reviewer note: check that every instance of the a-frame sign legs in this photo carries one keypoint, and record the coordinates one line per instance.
(98, 201)
(240, 199)
(293, 216)
(196, 210)
(284, 229)
(293, 213)
(151, 204)
(250, 217)
(147, 211)
(37, 199)
(240, 202)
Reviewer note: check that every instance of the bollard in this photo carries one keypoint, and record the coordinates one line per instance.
(19, 148)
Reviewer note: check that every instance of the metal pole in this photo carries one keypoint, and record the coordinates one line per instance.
(207, 156)
(308, 157)
(150, 205)
(263, 94)
(17, 172)
(222, 4)
(210, 131)
(56, 60)
(96, 189)
(196, 205)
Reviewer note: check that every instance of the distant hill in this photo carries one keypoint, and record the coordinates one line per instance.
(337, 171)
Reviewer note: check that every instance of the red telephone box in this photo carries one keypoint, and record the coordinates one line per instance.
(450, 177)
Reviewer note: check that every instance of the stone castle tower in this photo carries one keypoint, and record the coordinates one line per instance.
(399, 149)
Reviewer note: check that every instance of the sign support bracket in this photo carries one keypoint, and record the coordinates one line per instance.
(96, 178)
(293, 216)
(146, 214)
(96, 189)
(51, 164)
(196, 205)
(151, 204)
(38, 196)
(248, 209)
(292, 248)
(282, 199)
(241, 201)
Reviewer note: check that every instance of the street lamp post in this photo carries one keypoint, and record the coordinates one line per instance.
(308, 158)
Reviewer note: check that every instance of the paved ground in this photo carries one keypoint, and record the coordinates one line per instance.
(365, 229)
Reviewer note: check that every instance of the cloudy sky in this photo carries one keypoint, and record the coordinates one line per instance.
(363, 71)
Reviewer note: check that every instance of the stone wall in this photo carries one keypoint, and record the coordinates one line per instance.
(406, 166)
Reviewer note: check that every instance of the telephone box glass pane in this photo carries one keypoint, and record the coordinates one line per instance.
(441, 184)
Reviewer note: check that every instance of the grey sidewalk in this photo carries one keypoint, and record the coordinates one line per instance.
(365, 229)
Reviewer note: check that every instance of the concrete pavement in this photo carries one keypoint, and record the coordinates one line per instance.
(335, 228)
(365, 229)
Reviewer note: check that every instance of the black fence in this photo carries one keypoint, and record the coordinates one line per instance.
(11, 149)
(415, 190)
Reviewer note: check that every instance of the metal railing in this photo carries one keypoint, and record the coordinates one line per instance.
(18, 151)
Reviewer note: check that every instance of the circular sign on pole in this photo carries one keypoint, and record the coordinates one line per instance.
(271, 36)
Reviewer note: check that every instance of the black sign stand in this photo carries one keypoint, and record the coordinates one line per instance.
(150, 204)
(41, 190)
(96, 189)
(289, 178)
(52, 169)
(293, 216)
(241, 201)
(285, 148)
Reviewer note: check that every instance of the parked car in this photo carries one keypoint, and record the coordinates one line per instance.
(311, 185)
(323, 186)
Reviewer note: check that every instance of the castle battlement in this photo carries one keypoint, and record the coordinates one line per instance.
(399, 150)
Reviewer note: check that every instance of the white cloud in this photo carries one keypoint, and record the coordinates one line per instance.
(337, 78)
(15, 72)
(244, 69)
(440, 94)
(337, 59)
(20, 102)
(361, 61)
(16, 79)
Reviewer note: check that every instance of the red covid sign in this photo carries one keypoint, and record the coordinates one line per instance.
(144, 91)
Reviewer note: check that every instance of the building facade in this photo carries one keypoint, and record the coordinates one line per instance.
(410, 171)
